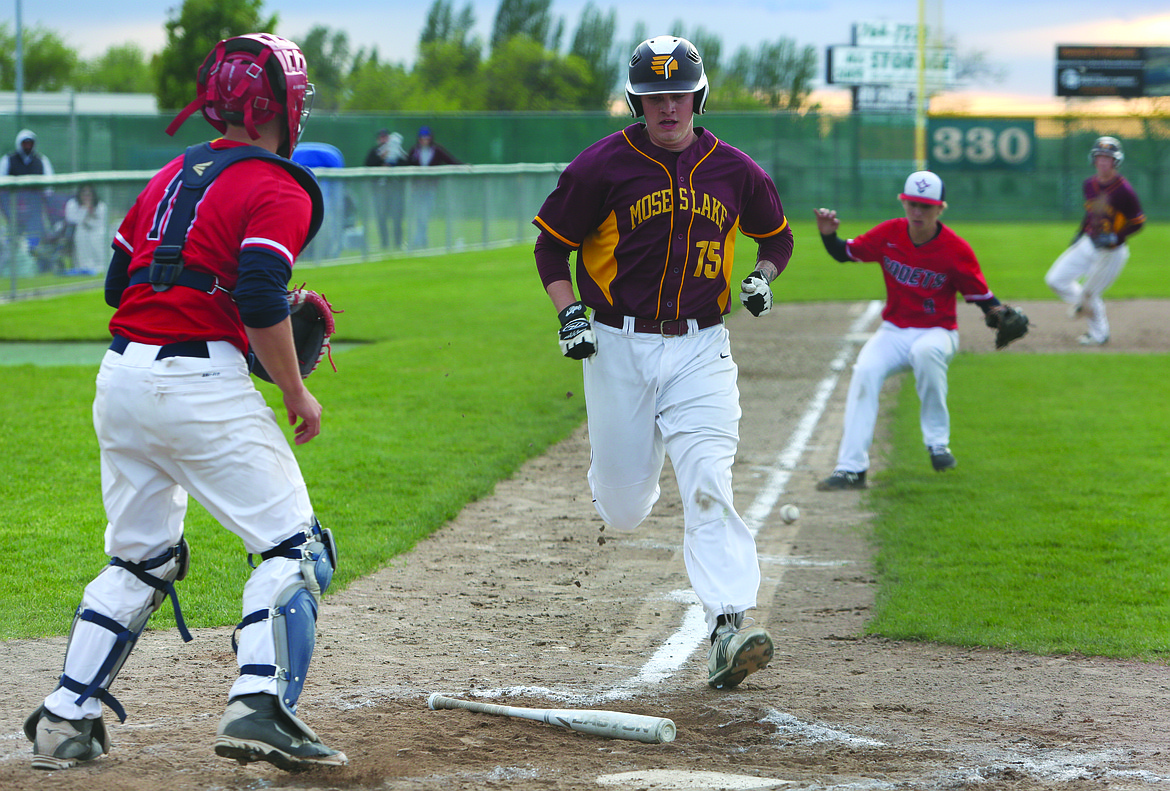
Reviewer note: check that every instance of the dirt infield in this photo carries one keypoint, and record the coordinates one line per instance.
(525, 599)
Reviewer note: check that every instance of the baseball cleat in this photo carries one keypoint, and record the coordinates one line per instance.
(59, 743)
(253, 728)
(737, 653)
(1075, 310)
(1089, 340)
(941, 458)
(841, 479)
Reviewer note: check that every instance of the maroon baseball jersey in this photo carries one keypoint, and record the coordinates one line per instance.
(655, 230)
(252, 204)
(921, 281)
(1111, 208)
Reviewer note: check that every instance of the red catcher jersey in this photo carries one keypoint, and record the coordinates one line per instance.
(253, 204)
(655, 231)
(921, 282)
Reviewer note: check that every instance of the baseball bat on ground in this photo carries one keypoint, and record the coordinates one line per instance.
(610, 724)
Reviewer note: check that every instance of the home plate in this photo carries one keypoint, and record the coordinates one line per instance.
(675, 780)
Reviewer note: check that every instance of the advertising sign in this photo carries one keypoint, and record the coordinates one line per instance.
(1125, 71)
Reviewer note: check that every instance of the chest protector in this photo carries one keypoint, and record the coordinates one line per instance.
(201, 165)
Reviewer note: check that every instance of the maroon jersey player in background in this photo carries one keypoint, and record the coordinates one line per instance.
(1099, 251)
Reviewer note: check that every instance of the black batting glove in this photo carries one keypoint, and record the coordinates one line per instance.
(576, 336)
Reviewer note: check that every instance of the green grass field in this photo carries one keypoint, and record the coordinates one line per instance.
(1053, 544)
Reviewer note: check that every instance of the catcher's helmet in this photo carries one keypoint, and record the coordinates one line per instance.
(1109, 147)
(250, 80)
(665, 64)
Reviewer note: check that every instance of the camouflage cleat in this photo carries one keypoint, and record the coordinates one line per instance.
(255, 728)
(737, 653)
(59, 743)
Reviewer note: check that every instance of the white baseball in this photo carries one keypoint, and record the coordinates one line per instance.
(789, 513)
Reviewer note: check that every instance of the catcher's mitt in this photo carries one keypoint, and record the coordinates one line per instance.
(312, 327)
(1009, 324)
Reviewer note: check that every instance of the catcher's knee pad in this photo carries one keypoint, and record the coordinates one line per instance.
(126, 635)
(293, 614)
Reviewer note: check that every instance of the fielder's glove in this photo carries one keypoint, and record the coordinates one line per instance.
(312, 327)
(756, 294)
(1105, 241)
(1009, 324)
(576, 336)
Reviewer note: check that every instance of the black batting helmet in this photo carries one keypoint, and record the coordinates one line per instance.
(1109, 147)
(665, 64)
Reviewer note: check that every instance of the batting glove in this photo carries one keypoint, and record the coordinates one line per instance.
(756, 294)
(1105, 240)
(576, 336)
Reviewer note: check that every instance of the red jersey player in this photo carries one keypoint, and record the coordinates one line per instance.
(925, 265)
(199, 279)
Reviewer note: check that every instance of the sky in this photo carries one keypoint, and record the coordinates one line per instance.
(1018, 37)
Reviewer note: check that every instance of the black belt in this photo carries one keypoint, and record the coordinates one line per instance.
(200, 281)
(653, 327)
(177, 349)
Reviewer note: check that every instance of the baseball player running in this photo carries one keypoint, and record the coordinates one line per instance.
(176, 413)
(653, 212)
(925, 264)
(1099, 251)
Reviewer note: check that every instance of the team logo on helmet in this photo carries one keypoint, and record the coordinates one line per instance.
(1109, 147)
(664, 65)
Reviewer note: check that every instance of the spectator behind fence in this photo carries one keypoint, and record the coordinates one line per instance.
(389, 195)
(320, 156)
(85, 221)
(29, 214)
(426, 152)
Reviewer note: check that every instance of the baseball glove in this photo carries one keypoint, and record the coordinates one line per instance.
(1009, 324)
(312, 327)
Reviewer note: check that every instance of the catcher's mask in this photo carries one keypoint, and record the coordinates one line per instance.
(665, 64)
(1109, 147)
(250, 80)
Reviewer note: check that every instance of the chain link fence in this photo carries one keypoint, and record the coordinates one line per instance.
(855, 163)
(370, 213)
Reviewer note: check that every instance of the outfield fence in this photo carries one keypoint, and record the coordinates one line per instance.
(381, 213)
(854, 162)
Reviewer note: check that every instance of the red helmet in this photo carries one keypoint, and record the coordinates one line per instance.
(250, 80)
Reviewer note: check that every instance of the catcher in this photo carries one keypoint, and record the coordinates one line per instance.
(176, 413)
(925, 264)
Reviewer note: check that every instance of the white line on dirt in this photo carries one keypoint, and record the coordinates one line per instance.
(781, 472)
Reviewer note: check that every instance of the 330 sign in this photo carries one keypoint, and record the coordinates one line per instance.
(980, 144)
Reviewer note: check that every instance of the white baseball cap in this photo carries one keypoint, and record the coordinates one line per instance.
(924, 187)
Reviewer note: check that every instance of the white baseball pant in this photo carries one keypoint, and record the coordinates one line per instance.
(925, 351)
(647, 396)
(1081, 275)
(165, 428)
